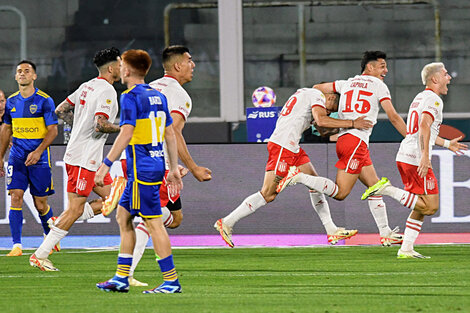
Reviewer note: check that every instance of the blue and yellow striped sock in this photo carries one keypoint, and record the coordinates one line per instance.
(16, 224)
(168, 268)
(124, 265)
(44, 218)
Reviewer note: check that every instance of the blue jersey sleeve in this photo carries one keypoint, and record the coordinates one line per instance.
(50, 117)
(128, 110)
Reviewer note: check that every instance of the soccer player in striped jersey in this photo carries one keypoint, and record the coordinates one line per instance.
(306, 105)
(30, 119)
(91, 109)
(145, 124)
(421, 192)
(360, 96)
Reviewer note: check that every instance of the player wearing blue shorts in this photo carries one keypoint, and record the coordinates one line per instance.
(145, 124)
(30, 119)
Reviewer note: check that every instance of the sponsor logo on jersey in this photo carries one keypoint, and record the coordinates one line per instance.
(155, 100)
(13, 110)
(33, 108)
(354, 164)
(436, 103)
(25, 129)
(8, 180)
(187, 105)
(156, 154)
(262, 114)
(108, 101)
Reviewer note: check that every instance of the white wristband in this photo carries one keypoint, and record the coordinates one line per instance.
(446, 143)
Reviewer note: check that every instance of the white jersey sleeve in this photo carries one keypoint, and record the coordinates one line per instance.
(179, 100)
(295, 117)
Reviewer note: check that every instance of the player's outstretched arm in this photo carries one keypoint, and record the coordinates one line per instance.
(5, 137)
(325, 87)
(200, 173)
(396, 120)
(34, 156)
(64, 111)
(453, 145)
(323, 120)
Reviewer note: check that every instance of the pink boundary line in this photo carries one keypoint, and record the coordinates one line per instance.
(282, 240)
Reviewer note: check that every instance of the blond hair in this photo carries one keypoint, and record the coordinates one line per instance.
(429, 70)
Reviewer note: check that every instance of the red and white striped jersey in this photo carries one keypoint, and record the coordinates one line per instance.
(360, 96)
(295, 117)
(426, 102)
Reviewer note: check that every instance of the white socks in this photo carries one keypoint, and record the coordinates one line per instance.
(167, 217)
(87, 213)
(320, 184)
(54, 236)
(247, 207)
(405, 198)
(141, 239)
(322, 208)
(379, 212)
(412, 230)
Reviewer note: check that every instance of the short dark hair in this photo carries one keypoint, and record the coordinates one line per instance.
(171, 51)
(105, 56)
(28, 62)
(369, 56)
(139, 60)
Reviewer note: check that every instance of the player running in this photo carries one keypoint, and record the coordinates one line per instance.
(360, 97)
(296, 116)
(421, 192)
(91, 109)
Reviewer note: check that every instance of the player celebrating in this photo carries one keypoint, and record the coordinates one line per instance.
(421, 192)
(360, 96)
(145, 123)
(284, 151)
(30, 119)
(95, 106)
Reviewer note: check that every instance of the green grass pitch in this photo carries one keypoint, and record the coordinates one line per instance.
(323, 279)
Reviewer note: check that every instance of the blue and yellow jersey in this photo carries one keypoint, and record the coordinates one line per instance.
(147, 110)
(29, 118)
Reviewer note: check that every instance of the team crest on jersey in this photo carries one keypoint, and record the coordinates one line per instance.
(33, 108)
(436, 103)
(282, 166)
(354, 164)
(430, 185)
(108, 101)
(187, 105)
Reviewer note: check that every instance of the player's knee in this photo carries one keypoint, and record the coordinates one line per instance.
(16, 200)
(431, 210)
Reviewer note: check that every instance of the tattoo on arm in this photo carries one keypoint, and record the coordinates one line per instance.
(102, 125)
(65, 112)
